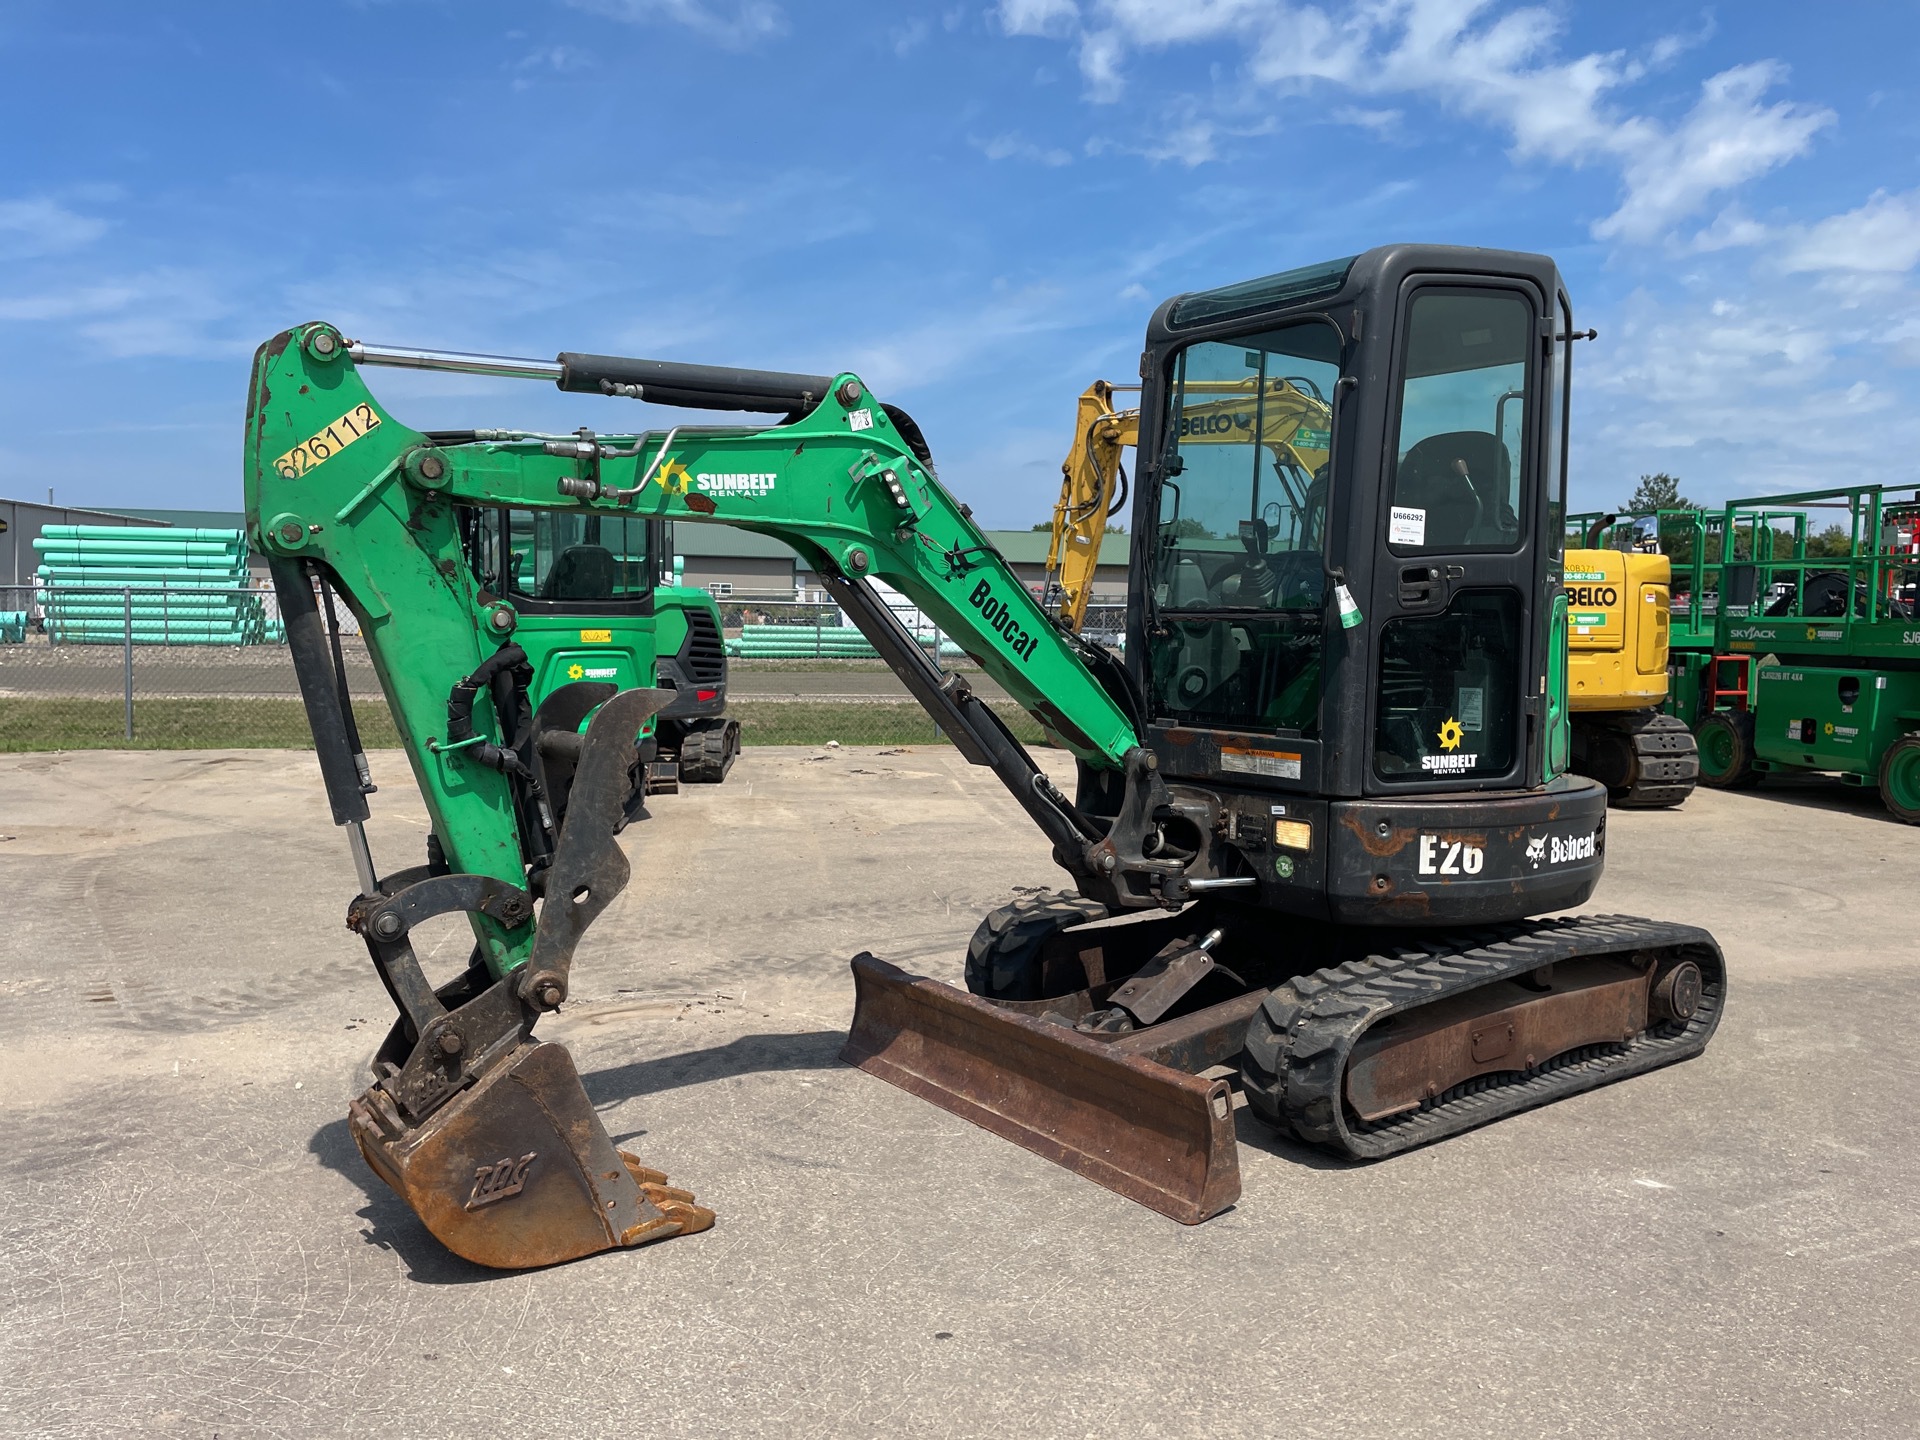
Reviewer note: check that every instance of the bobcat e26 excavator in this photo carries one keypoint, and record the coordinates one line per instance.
(1314, 807)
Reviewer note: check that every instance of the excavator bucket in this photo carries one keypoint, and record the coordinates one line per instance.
(518, 1172)
(1156, 1135)
(484, 1131)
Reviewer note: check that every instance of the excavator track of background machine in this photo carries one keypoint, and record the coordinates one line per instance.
(1307, 1045)
(1646, 759)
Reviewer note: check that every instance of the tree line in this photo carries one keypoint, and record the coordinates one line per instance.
(1661, 492)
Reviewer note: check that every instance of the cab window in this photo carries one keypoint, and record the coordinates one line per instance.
(562, 559)
(1460, 421)
(1238, 572)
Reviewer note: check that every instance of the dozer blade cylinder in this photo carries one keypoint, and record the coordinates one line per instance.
(1156, 1135)
(518, 1172)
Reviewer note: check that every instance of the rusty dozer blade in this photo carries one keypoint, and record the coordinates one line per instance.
(1156, 1135)
(518, 1172)
(485, 1132)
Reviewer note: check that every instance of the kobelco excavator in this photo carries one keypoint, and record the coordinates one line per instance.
(1288, 414)
(1314, 806)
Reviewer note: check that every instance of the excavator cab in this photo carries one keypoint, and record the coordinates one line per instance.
(1383, 632)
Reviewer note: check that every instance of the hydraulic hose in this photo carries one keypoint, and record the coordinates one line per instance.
(510, 663)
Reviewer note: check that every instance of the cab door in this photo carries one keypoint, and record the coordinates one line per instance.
(1455, 700)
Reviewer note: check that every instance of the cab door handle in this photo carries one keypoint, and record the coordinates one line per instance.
(1418, 583)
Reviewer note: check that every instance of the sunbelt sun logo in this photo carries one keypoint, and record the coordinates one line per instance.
(1449, 762)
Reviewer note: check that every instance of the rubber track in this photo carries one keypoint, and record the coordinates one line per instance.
(1003, 956)
(706, 756)
(1300, 1040)
(1666, 763)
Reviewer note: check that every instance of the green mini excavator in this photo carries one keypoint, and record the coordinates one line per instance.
(1314, 806)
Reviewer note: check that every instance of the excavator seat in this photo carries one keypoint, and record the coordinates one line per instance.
(1469, 509)
(582, 572)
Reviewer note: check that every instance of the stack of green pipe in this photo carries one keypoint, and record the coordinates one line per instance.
(804, 642)
(188, 587)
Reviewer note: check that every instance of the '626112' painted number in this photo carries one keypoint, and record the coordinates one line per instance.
(319, 448)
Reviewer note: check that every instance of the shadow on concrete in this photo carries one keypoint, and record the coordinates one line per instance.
(748, 1055)
(1823, 792)
(391, 1225)
(1256, 1134)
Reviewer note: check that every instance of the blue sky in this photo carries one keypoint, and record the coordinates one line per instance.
(973, 205)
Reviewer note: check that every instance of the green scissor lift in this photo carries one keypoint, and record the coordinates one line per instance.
(1785, 658)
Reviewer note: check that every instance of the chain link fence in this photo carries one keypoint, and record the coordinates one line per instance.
(117, 668)
(86, 668)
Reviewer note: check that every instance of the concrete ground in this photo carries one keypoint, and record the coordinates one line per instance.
(189, 1245)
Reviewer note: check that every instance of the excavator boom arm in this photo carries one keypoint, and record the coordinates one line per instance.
(336, 486)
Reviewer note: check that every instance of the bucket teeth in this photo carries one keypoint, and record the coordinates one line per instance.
(676, 1206)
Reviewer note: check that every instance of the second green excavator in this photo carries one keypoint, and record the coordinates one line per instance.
(1313, 808)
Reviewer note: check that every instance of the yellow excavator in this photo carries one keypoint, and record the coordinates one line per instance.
(1288, 413)
(1619, 625)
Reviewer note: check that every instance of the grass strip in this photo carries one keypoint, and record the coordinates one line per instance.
(56, 723)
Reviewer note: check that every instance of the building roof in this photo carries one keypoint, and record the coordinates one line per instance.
(194, 519)
(724, 540)
(78, 510)
(1029, 547)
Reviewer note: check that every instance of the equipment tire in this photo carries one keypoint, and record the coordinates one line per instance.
(1726, 750)
(1900, 779)
(1004, 957)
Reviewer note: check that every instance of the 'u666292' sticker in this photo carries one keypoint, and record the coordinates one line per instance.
(322, 446)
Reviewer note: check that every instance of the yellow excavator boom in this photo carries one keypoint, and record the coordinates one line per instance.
(1292, 419)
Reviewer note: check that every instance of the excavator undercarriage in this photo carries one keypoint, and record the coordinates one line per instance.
(1129, 1070)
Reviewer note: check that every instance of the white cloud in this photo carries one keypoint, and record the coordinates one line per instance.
(1727, 139)
(40, 226)
(1744, 385)
(1379, 121)
(909, 37)
(68, 304)
(549, 59)
(165, 311)
(736, 26)
(1882, 237)
(1190, 144)
(1500, 67)
(1015, 147)
(1100, 55)
(1155, 22)
(1050, 18)
(944, 345)
(1731, 228)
